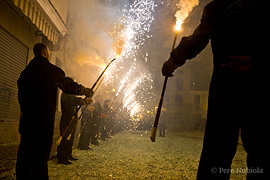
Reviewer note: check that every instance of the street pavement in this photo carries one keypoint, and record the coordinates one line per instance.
(132, 155)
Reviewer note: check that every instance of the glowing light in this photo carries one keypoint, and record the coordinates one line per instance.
(102, 65)
(178, 26)
(129, 33)
(128, 100)
(135, 108)
(185, 7)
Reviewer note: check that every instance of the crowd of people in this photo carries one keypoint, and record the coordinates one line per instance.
(98, 121)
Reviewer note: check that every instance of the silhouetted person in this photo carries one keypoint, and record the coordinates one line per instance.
(239, 34)
(87, 129)
(96, 121)
(69, 103)
(162, 124)
(105, 119)
(37, 91)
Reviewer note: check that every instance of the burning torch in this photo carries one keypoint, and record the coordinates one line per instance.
(77, 110)
(154, 130)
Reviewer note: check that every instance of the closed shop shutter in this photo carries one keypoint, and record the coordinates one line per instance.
(13, 57)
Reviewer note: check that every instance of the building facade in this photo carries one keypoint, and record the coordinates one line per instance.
(23, 23)
(185, 106)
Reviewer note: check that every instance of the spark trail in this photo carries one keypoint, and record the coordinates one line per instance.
(129, 34)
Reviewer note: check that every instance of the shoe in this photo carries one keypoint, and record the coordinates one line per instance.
(64, 161)
(71, 158)
(87, 148)
(95, 143)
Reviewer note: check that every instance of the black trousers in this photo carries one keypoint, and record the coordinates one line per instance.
(32, 157)
(234, 110)
(94, 133)
(85, 136)
(64, 150)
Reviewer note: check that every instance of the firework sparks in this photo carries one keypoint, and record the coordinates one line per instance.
(135, 108)
(130, 33)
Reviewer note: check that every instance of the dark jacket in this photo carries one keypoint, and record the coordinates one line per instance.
(37, 92)
(69, 103)
(97, 113)
(234, 28)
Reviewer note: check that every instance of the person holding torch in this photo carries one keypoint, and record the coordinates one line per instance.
(239, 34)
(69, 103)
(37, 92)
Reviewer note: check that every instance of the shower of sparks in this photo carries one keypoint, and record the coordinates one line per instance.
(130, 33)
(128, 100)
(124, 81)
(135, 108)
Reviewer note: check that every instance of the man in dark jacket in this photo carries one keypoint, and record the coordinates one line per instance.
(239, 34)
(37, 91)
(69, 103)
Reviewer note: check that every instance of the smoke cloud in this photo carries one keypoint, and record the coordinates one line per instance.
(89, 27)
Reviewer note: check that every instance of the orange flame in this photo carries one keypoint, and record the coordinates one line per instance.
(178, 26)
(185, 7)
(118, 46)
(119, 38)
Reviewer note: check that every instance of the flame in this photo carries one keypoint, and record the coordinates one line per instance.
(178, 26)
(185, 6)
(118, 46)
(119, 38)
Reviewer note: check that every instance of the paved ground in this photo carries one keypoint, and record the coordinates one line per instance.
(131, 155)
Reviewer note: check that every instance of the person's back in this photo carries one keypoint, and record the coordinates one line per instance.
(37, 91)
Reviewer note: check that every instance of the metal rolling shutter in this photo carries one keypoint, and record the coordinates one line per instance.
(13, 57)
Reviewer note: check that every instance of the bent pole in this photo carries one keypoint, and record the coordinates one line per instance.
(77, 110)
